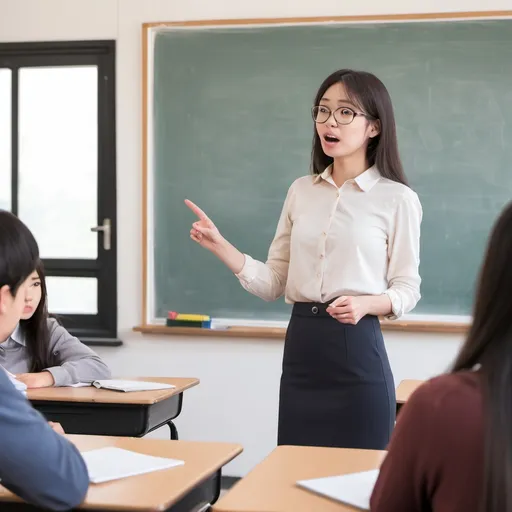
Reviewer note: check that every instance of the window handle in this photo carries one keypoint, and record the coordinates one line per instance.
(106, 229)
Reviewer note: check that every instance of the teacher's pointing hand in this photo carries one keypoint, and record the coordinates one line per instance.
(206, 234)
(204, 231)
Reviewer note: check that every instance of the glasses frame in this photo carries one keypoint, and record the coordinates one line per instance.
(333, 114)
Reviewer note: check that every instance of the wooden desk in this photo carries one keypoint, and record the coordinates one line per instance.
(94, 411)
(180, 489)
(404, 390)
(271, 486)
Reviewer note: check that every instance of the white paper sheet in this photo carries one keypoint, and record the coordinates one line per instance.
(353, 489)
(105, 464)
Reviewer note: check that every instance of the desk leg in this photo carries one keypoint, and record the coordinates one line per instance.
(201, 498)
(174, 431)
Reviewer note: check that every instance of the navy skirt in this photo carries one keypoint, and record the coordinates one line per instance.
(337, 388)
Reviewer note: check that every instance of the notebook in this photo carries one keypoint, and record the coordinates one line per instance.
(353, 489)
(106, 464)
(127, 385)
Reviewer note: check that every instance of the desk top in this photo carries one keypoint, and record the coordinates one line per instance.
(153, 491)
(271, 486)
(91, 394)
(406, 388)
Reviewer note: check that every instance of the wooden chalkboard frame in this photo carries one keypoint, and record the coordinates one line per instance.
(148, 326)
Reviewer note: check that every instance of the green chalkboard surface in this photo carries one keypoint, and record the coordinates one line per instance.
(232, 130)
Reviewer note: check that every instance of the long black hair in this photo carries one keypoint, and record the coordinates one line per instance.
(19, 252)
(367, 91)
(35, 330)
(489, 344)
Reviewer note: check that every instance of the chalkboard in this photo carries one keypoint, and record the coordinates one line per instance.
(232, 130)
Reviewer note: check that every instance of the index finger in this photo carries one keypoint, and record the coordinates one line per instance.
(196, 209)
(338, 302)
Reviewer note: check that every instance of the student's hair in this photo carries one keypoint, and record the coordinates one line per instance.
(19, 252)
(489, 344)
(369, 93)
(35, 330)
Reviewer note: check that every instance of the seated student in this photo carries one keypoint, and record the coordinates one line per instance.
(36, 462)
(41, 353)
(451, 449)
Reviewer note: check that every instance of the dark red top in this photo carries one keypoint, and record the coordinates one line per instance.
(435, 456)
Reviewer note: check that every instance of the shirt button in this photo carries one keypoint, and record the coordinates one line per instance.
(319, 275)
(321, 256)
(324, 233)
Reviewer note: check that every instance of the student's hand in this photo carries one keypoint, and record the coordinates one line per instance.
(57, 427)
(348, 310)
(36, 380)
(204, 231)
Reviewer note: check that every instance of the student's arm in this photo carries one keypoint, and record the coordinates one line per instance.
(77, 362)
(36, 463)
(268, 280)
(404, 256)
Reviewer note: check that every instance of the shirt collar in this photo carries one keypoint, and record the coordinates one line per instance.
(18, 336)
(365, 180)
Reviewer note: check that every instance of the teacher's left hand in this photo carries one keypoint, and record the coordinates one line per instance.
(347, 309)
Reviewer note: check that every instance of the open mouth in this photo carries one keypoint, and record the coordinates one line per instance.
(331, 139)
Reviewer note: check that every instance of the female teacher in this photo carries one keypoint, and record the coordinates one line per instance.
(345, 252)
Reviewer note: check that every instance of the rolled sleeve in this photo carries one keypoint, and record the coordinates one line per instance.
(249, 270)
(397, 304)
(404, 256)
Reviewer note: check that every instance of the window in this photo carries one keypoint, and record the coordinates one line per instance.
(5, 138)
(57, 172)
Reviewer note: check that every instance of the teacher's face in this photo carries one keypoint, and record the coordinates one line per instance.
(346, 130)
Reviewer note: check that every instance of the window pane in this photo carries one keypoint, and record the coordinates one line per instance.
(5, 139)
(72, 295)
(58, 158)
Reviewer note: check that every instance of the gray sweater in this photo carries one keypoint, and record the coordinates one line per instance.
(37, 464)
(75, 361)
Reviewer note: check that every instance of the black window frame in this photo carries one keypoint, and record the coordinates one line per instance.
(100, 329)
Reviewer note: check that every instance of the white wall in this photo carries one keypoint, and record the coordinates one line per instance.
(237, 398)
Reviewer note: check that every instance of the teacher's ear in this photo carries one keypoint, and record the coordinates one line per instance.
(375, 128)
